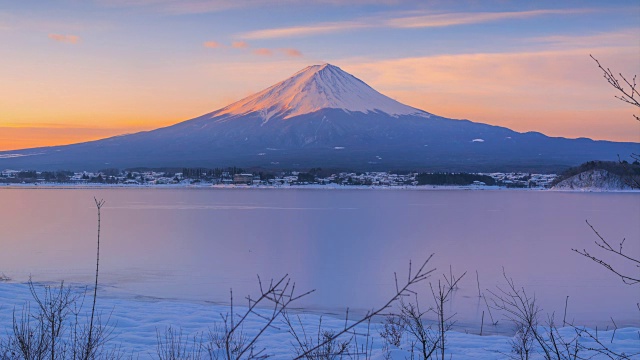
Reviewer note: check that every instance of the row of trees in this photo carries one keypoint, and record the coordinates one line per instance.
(33, 176)
(453, 179)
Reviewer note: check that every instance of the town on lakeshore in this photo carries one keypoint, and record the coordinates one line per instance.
(239, 177)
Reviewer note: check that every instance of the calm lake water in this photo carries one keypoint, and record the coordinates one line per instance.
(196, 244)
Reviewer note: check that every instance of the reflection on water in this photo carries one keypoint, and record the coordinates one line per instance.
(197, 244)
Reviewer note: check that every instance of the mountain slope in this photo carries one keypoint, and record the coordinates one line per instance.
(315, 88)
(323, 116)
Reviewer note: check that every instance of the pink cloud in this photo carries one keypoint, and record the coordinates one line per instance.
(292, 52)
(420, 20)
(506, 89)
(453, 19)
(213, 6)
(263, 52)
(69, 39)
(240, 44)
(308, 30)
(211, 44)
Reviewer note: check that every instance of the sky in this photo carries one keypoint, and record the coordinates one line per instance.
(79, 70)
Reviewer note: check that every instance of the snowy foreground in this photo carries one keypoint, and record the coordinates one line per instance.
(137, 321)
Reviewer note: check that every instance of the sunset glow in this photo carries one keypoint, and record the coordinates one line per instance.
(78, 71)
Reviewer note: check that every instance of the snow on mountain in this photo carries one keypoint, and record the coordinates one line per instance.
(314, 88)
(323, 117)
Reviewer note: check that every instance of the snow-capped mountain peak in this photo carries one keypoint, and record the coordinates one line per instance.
(314, 88)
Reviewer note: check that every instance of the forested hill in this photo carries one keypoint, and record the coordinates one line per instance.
(610, 175)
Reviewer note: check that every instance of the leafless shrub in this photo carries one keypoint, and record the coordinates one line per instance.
(423, 339)
(227, 339)
(222, 344)
(600, 347)
(531, 332)
(171, 345)
(522, 343)
(393, 328)
(55, 328)
(401, 291)
(331, 347)
(441, 295)
(39, 333)
(523, 312)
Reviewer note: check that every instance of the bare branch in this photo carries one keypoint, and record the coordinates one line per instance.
(603, 244)
(628, 89)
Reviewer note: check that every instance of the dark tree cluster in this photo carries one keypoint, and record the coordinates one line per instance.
(453, 179)
(306, 178)
(31, 176)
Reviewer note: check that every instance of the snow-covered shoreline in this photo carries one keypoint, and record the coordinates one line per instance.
(251, 187)
(137, 321)
(302, 187)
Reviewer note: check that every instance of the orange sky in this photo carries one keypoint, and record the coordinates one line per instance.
(86, 73)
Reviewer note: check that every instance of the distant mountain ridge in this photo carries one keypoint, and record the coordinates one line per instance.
(323, 117)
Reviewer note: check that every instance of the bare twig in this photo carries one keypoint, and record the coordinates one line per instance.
(603, 244)
(89, 348)
(628, 89)
(564, 318)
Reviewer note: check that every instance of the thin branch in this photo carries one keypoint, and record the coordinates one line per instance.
(603, 244)
(628, 95)
(419, 276)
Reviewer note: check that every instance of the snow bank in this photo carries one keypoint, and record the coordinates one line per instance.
(137, 320)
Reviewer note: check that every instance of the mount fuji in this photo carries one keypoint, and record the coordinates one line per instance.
(323, 117)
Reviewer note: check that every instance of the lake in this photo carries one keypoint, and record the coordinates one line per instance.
(196, 244)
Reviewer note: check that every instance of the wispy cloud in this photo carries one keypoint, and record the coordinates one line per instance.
(175, 6)
(69, 39)
(453, 19)
(239, 44)
(211, 44)
(622, 38)
(263, 52)
(416, 20)
(296, 31)
(217, 44)
(211, 6)
(291, 52)
(242, 45)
